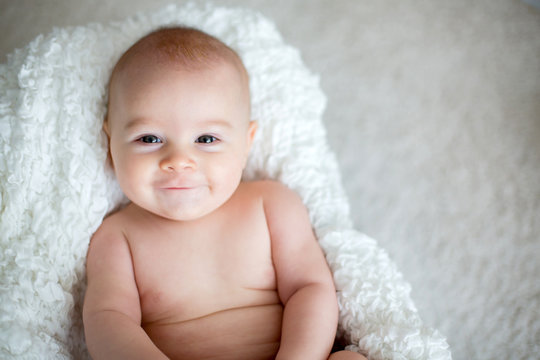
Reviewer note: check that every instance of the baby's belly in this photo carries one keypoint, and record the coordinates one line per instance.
(241, 333)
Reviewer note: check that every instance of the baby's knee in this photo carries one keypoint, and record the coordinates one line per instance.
(346, 355)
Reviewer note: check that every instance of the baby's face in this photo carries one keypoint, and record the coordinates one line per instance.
(179, 140)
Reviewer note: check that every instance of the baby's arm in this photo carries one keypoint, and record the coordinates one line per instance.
(304, 280)
(111, 313)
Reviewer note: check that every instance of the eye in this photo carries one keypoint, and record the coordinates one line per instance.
(206, 139)
(149, 139)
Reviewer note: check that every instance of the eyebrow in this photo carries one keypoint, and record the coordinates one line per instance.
(136, 122)
(211, 122)
(218, 122)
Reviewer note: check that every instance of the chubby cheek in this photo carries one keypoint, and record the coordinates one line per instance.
(226, 173)
(129, 172)
(124, 176)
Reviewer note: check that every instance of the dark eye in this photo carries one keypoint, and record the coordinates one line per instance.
(150, 139)
(206, 139)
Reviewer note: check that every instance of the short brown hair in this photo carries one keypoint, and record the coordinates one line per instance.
(185, 47)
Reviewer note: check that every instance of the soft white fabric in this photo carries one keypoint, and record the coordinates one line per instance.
(57, 188)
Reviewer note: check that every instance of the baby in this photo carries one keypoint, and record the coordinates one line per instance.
(199, 265)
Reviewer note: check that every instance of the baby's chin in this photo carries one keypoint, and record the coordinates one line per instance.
(184, 203)
(184, 216)
(183, 213)
(180, 215)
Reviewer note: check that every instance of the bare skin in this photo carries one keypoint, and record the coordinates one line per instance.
(208, 289)
(201, 265)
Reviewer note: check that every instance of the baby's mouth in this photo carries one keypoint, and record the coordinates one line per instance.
(179, 188)
(178, 184)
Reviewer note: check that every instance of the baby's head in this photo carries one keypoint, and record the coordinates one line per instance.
(179, 124)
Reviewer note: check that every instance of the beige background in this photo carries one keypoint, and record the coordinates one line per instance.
(434, 113)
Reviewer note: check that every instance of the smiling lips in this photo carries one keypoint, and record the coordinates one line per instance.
(178, 186)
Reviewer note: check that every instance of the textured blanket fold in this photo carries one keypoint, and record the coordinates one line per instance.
(56, 186)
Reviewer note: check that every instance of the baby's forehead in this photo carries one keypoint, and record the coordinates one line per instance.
(145, 71)
(139, 79)
(137, 68)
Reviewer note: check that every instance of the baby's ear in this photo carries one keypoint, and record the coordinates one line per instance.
(252, 130)
(108, 133)
(106, 127)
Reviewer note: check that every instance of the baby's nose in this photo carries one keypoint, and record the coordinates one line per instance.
(177, 160)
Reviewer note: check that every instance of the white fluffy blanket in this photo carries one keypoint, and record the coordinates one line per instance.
(56, 187)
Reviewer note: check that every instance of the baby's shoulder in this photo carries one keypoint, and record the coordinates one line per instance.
(112, 226)
(109, 239)
(271, 192)
(265, 188)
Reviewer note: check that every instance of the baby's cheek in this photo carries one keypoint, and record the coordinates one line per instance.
(126, 174)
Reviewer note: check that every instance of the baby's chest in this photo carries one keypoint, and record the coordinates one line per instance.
(193, 274)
